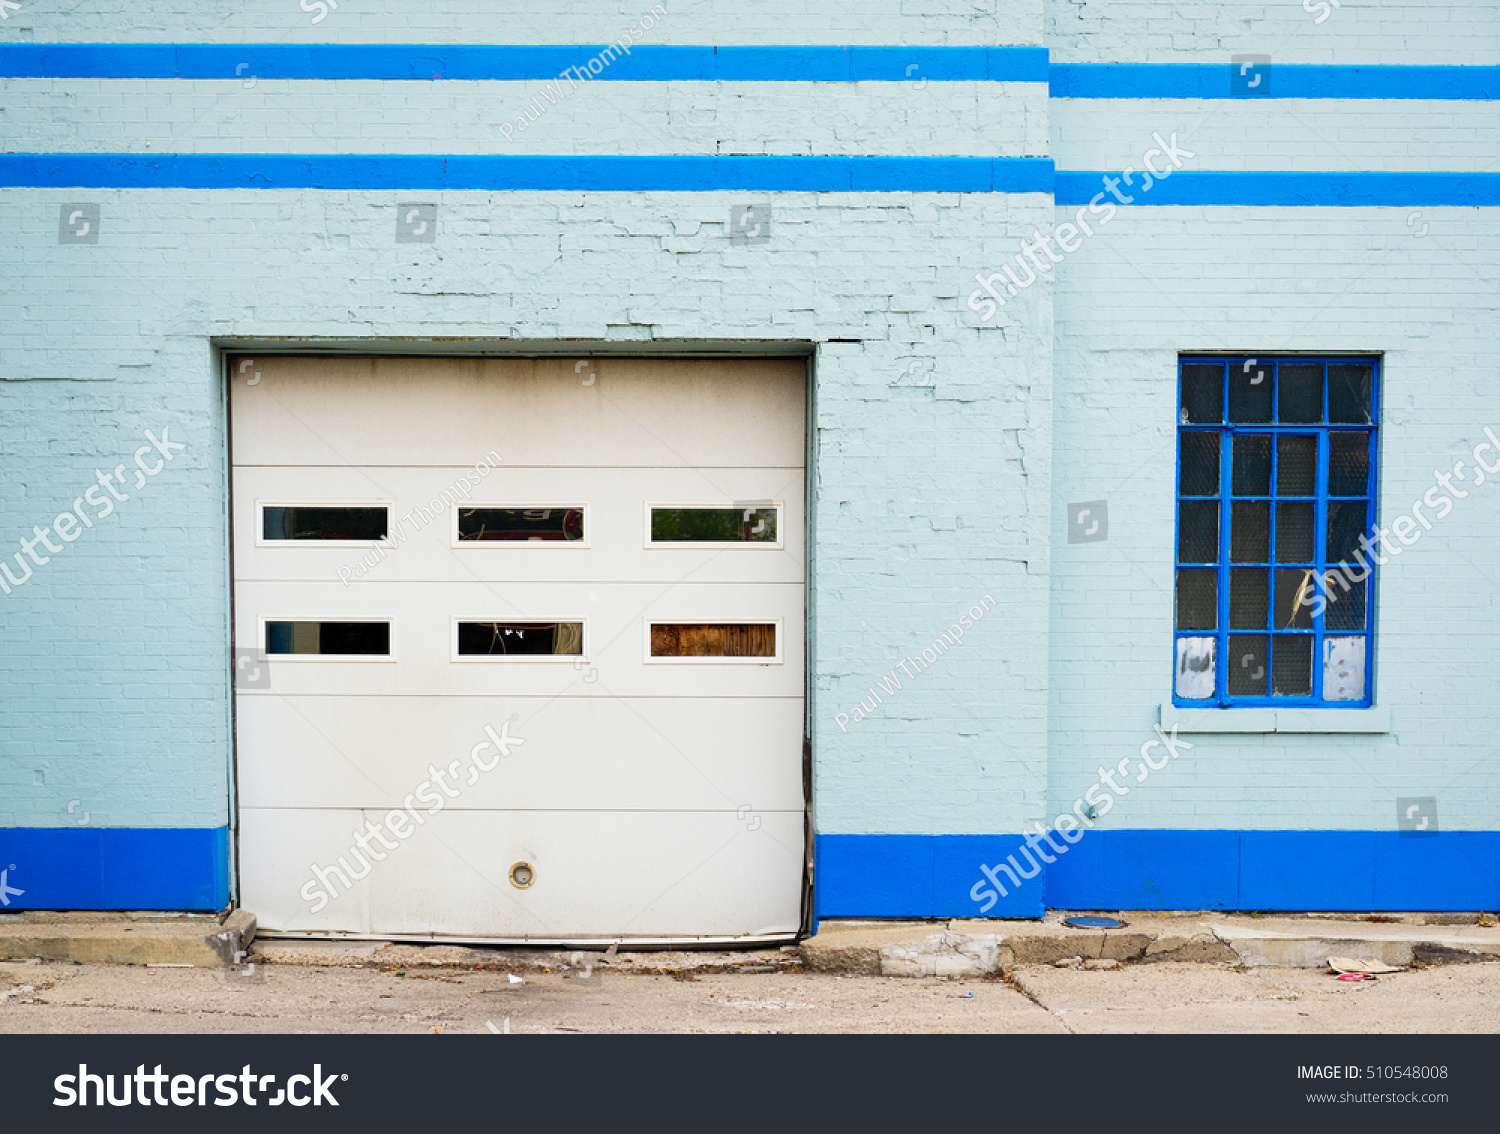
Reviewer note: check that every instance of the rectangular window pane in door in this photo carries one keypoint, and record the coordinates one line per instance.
(520, 639)
(713, 640)
(520, 525)
(338, 639)
(714, 525)
(323, 522)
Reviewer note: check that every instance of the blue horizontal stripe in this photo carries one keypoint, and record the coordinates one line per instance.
(1076, 187)
(939, 875)
(449, 62)
(1282, 80)
(115, 868)
(498, 173)
(708, 63)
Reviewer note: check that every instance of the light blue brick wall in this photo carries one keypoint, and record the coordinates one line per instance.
(1417, 285)
(930, 433)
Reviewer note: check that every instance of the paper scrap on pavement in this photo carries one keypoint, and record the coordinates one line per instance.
(1349, 965)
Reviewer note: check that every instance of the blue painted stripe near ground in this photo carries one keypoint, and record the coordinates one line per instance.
(1278, 80)
(415, 172)
(115, 868)
(914, 876)
(937, 875)
(1077, 187)
(644, 62)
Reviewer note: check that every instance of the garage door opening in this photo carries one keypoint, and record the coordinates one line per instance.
(508, 615)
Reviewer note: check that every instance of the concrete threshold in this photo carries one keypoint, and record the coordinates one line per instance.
(981, 947)
(141, 938)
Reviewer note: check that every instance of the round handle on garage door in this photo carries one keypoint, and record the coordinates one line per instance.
(522, 875)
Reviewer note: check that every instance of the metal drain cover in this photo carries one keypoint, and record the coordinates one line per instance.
(1093, 923)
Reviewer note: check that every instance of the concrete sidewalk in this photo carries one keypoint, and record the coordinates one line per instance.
(958, 948)
(981, 947)
(143, 938)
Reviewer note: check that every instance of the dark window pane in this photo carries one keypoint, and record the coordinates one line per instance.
(1299, 392)
(1249, 664)
(1250, 531)
(520, 525)
(1202, 394)
(1197, 600)
(1348, 464)
(1250, 387)
(1291, 665)
(1346, 599)
(1349, 392)
(722, 640)
(279, 523)
(1295, 595)
(1295, 525)
(519, 639)
(1248, 597)
(1252, 465)
(1346, 523)
(1198, 531)
(1199, 475)
(1296, 465)
(713, 525)
(328, 638)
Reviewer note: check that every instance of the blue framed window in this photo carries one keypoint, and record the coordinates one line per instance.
(1275, 579)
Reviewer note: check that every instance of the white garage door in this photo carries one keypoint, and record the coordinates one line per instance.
(529, 646)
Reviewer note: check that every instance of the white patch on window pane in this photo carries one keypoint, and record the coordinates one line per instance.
(1343, 669)
(1195, 668)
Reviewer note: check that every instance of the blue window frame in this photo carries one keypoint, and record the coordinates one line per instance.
(1275, 581)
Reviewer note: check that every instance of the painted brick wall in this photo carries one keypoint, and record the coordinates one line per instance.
(939, 22)
(1157, 31)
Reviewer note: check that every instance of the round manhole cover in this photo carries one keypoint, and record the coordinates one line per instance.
(1094, 923)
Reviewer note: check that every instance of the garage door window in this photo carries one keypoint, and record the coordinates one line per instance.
(323, 523)
(713, 525)
(715, 641)
(329, 639)
(520, 639)
(552, 524)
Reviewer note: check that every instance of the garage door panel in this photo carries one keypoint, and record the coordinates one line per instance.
(690, 754)
(614, 521)
(613, 874)
(614, 618)
(277, 850)
(637, 412)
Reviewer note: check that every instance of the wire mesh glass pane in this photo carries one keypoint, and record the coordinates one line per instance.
(1197, 599)
(1343, 669)
(1346, 524)
(1291, 665)
(1349, 386)
(1249, 664)
(1199, 475)
(1348, 464)
(1295, 525)
(1299, 392)
(1249, 598)
(1295, 596)
(1296, 465)
(1198, 531)
(1346, 600)
(1250, 389)
(1202, 393)
(1252, 464)
(1250, 531)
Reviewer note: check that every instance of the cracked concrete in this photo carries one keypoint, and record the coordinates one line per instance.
(980, 947)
